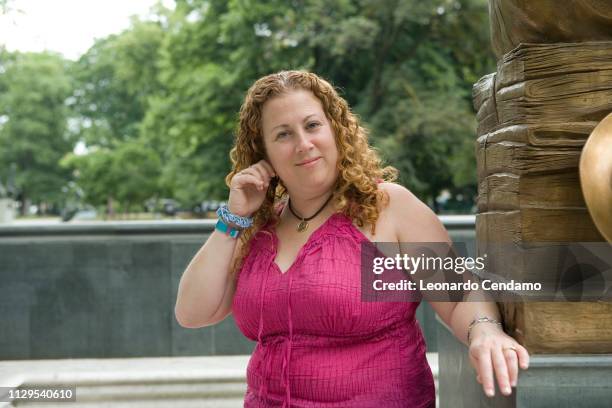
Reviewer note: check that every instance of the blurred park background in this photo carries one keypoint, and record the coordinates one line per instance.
(141, 124)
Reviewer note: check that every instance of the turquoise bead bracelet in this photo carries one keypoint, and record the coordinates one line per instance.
(226, 229)
(243, 222)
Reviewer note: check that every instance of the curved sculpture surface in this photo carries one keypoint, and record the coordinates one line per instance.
(547, 21)
(596, 176)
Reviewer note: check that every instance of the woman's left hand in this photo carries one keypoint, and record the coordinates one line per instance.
(492, 350)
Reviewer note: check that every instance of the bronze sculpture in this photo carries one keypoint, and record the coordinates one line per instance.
(596, 176)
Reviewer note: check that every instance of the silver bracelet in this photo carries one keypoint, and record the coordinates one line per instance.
(474, 322)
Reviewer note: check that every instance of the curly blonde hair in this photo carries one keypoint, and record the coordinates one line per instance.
(360, 169)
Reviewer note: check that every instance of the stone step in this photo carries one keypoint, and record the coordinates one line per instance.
(218, 381)
(155, 391)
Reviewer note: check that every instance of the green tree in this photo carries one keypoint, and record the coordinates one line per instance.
(213, 51)
(114, 82)
(406, 67)
(425, 122)
(33, 133)
(174, 85)
(94, 174)
(127, 175)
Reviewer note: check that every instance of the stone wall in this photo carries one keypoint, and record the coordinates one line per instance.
(109, 289)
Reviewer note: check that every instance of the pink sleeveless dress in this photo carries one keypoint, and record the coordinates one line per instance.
(318, 344)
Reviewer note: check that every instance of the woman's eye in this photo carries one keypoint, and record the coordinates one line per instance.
(281, 135)
(313, 125)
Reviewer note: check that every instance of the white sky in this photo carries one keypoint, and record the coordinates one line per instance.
(67, 26)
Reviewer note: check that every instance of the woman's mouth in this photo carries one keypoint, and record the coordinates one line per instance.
(309, 163)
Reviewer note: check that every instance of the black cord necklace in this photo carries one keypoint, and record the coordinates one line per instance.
(303, 225)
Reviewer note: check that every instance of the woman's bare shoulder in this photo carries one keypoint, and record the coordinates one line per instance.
(400, 198)
(411, 218)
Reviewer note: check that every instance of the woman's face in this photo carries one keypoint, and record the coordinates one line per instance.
(300, 142)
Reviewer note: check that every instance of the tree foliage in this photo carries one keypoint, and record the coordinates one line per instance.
(113, 83)
(157, 104)
(406, 67)
(33, 137)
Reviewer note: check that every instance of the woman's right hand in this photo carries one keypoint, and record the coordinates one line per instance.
(248, 188)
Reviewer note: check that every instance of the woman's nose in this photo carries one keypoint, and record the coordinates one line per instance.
(303, 142)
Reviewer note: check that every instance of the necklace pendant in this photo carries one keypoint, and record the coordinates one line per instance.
(302, 226)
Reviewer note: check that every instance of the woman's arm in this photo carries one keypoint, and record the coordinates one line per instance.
(206, 287)
(489, 347)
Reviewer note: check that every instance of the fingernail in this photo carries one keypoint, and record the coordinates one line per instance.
(513, 383)
(490, 392)
(507, 390)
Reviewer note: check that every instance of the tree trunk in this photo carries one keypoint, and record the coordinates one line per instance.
(25, 205)
(109, 208)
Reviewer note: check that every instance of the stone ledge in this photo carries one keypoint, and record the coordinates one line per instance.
(451, 222)
(567, 380)
(108, 370)
(218, 381)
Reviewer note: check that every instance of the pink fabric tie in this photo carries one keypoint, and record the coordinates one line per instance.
(287, 357)
(263, 386)
(288, 342)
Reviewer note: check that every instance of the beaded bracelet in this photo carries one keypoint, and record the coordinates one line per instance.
(226, 229)
(243, 222)
(474, 322)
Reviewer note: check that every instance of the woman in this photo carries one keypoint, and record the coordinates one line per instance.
(305, 191)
